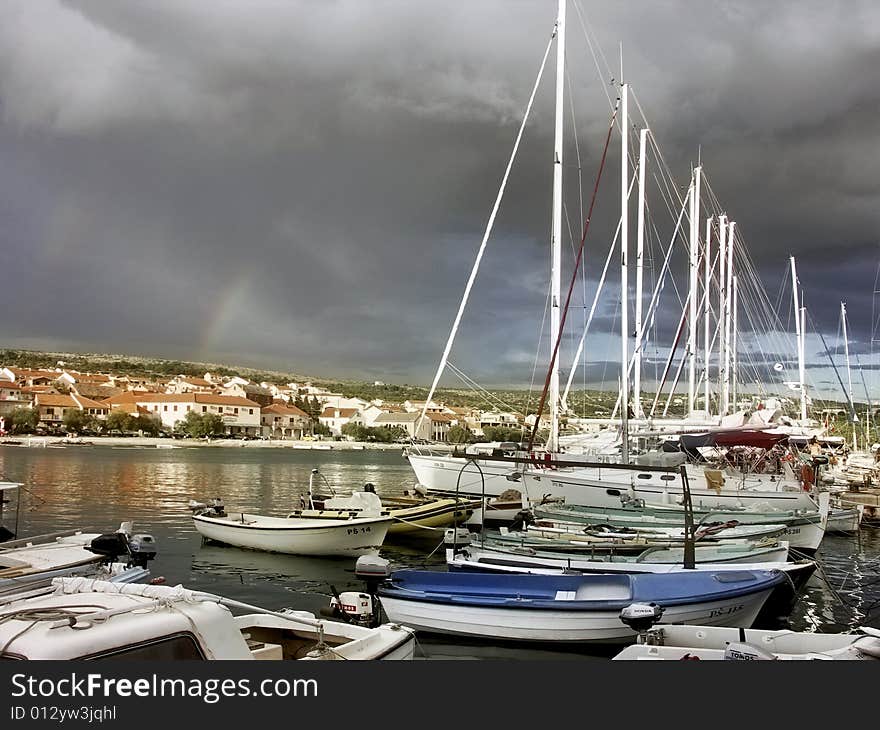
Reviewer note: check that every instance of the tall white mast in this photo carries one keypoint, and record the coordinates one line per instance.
(707, 310)
(640, 249)
(733, 349)
(692, 287)
(798, 328)
(849, 394)
(556, 233)
(722, 295)
(624, 288)
(802, 361)
(731, 228)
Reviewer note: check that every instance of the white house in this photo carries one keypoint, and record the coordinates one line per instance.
(281, 420)
(189, 384)
(240, 415)
(412, 423)
(336, 418)
(337, 400)
(416, 406)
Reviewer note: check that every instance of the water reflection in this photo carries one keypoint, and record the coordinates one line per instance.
(96, 488)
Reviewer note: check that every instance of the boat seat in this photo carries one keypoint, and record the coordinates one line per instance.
(603, 592)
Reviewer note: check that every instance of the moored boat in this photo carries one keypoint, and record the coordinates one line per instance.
(566, 608)
(676, 643)
(141, 622)
(803, 529)
(354, 535)
(29, 565)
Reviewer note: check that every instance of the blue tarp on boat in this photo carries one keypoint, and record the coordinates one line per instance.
(602, 592)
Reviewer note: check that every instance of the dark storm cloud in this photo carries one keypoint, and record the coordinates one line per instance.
(304, 185)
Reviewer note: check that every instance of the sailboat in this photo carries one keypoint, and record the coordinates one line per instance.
(538, 474)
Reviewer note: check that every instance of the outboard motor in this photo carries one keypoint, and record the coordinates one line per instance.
(456, 537)
(357, 607)
(121, 546)
(641, 617)
(521, 519)
(111, 545)
(214, 508)
(373, 570)
(141, 549)
(350, 606)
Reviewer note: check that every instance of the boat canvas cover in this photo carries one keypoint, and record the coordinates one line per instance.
(689, 443)
(602, 592)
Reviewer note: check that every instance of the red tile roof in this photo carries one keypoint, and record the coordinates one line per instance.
(282, 409)
(330, 412)
(206, 398)
(55, 400)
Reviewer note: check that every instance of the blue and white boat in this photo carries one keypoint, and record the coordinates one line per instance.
(569, 608)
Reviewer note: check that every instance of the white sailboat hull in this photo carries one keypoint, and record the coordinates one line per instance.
(588, 486)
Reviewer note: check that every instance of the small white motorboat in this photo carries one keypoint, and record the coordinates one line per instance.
(361, 532)
(90, 619)
(676, 643)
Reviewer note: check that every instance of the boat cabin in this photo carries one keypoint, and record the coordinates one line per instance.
(159, 622)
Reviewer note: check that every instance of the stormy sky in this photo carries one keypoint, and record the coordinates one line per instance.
(304, 185)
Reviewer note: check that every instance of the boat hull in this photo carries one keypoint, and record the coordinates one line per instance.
(521, 608)
(507, 561)
(344, 538)
(589, 487)
(704, 642)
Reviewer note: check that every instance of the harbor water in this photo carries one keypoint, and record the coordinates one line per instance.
(95, 488)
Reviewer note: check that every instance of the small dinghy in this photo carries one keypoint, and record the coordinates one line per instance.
(359, 532)
(676, 643)
(569, 608)
(89, 619)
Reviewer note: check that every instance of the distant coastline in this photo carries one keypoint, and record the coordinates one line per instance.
(165, 443)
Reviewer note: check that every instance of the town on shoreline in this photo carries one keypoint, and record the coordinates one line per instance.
(50, 406)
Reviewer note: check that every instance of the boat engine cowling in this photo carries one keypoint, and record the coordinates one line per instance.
(141, 549)
(641, 617)
(112, 545)
(135, 550)
(457, 537)
(353, 606)
(214, 508)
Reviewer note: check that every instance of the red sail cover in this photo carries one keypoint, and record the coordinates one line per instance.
(759, 439)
